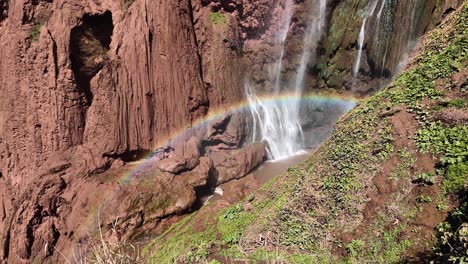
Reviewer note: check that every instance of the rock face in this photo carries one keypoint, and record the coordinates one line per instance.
(390, 35)
(89, 86)
(91, 82)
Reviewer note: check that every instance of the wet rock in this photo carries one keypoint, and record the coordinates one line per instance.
(226, 133)
(183, 158)
(235, 164)
(201, 174)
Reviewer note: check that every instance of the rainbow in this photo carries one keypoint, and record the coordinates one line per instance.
(348, 101)
(134, 168)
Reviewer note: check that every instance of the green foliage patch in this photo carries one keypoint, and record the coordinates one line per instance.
(456, 179)
(218, 18)
(35, 31)
(452, 141)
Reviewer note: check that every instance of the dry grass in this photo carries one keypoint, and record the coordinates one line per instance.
(102, 251)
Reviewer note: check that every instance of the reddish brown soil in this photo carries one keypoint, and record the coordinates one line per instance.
(404, 127)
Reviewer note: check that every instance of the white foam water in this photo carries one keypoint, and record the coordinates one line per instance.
(278, 122)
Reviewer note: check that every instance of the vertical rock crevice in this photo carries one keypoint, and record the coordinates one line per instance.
(3, 9)
(89, 44)
(205, 105)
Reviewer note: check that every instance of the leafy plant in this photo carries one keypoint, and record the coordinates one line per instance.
(452, 141)
(425, 179)
(424, 199)
(201, 253)
(355, 247)
(452, 237)
(232, 222)
(456, 177)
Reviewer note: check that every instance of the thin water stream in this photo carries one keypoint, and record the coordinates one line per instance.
(279, 123)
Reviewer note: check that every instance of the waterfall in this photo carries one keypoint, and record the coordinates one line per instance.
(279, 122)
(281, 40)
(362, 37)
(357, 63)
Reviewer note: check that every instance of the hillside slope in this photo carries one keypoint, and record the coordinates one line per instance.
(395, 168)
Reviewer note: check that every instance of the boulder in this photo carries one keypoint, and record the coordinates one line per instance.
(235, 164)
(184, 158)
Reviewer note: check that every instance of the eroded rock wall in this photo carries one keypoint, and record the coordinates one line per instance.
(85, 83)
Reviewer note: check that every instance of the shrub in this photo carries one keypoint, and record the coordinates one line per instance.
(456, 177)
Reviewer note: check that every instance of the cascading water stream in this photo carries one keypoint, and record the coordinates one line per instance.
(362, 37)
(278, 122)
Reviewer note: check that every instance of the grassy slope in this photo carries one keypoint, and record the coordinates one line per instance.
(393, 169)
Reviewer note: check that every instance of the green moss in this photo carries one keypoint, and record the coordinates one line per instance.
(218, 18)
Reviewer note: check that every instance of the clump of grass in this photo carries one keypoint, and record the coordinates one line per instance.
(35, 31)
(458, 103)
(102, 251)
(218, 18)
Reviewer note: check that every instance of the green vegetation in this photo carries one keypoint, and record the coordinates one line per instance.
(307, 211)
(425, 179)
(458, 103)
(182, 244)
(354, 248)
(35, 31)
(452, 141)
(406, 159)
(423, 199)
(232, 222)
(456, 179)
(452, 237)
(218, 18)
